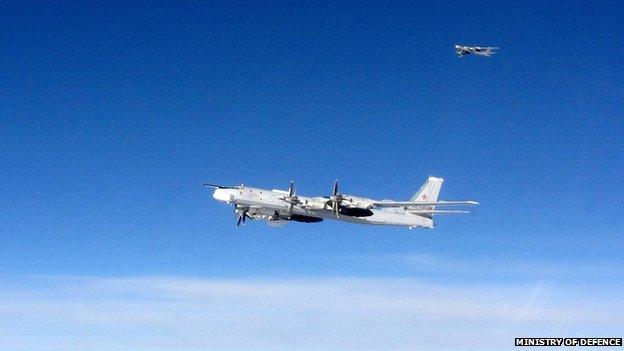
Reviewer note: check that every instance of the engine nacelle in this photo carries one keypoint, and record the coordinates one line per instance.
(316, 203)
(356, 202)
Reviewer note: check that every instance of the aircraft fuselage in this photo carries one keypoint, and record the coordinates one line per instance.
(270, 205)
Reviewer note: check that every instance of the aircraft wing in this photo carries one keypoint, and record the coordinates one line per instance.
(410, 203)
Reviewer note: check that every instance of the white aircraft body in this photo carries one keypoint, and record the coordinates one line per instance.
(476, 50)
(278, 207)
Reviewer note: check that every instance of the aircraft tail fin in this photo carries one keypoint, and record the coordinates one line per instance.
(429, 191)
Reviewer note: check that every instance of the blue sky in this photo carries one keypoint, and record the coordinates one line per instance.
(113, 115)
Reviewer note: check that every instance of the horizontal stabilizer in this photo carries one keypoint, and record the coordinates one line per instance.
(436, 211)
(411, 203)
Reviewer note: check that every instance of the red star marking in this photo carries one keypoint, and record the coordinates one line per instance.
(424, 196)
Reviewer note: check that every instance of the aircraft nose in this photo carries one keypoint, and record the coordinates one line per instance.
(221, 195)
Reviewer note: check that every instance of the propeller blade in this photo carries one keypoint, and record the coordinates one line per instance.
(242, 214)
(240, 219)
(335, 199)
(291, 189)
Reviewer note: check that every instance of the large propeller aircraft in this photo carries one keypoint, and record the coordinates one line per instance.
(486, 51)
(278, 207)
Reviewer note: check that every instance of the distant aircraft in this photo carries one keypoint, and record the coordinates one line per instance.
(278, 207)
(476, 50)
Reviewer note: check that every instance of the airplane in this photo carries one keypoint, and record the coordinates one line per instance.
(477, 50)
(278, 207)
